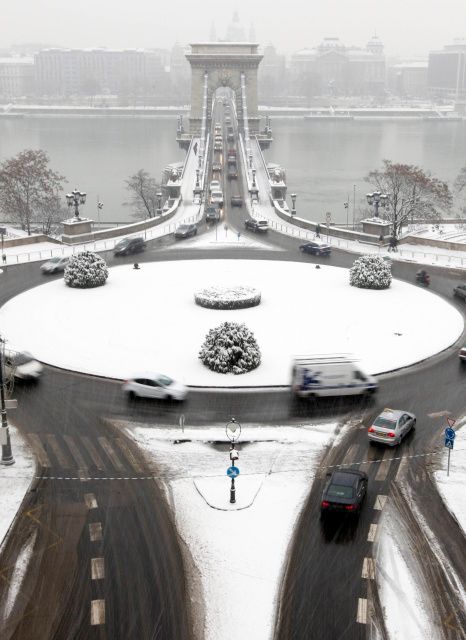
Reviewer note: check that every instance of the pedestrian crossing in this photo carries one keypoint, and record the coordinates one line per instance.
(88, 456)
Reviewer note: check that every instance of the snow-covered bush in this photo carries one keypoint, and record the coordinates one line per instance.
(86, 270)
(370, 272)
(228, 297)
(230, 348)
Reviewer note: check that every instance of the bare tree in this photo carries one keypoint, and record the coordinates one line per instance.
(26, 183)
(413, 193)
(460, 186)
(143, 191)
(50, 213)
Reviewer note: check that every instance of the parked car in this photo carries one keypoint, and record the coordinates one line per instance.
(54, 265)
(154, 385)
(216, 197)
(391, 426)
(129, 245)
(330, 375)
(236, 201)
(186, 231)
(212, 213)
(256, 225)
(22, 365)
(316, 248)
(344, 492)
(460, 291)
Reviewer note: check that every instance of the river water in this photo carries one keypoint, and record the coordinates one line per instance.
(323, 160)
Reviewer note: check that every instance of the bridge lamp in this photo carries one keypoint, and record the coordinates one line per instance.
(377, 199)
(293, 204)
(159, 203)
(74, 199)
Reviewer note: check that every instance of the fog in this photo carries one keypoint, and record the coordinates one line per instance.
(407, 27)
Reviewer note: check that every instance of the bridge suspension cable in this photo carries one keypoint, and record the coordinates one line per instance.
(203, 140)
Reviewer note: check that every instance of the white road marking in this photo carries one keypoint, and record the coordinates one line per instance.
(97, 612)
(129, 455)
(91, 502)
(97, 569)
(38, 449)
(350, 455)
(107, 447)
(361, 616)
(368, 569)
(96, 459)
(380, 502)
(372, 533)
(75, 452)
(61, 457)
(439, 414)
(95, 531)
(384, 466)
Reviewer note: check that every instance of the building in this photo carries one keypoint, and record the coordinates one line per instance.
(408, 79)
(272, 76)
(16, 77)
(446, 76)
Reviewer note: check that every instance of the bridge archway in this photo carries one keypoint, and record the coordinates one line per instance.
(223, 62)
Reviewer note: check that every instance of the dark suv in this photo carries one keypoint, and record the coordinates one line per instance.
(212, 213)
(186, 231)
(256, 225)
(129, 245)
(344, 492)
(316, 248)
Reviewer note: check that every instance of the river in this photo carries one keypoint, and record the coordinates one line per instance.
(323, 160)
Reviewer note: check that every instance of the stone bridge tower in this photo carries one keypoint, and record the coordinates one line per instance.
(224, 62)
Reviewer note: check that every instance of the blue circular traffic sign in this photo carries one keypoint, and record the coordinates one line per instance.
(450, 433)
(232, 472)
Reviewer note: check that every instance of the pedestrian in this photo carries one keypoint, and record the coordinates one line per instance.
(195, 148)
(318, 231)
(381, 240)
(4, 258)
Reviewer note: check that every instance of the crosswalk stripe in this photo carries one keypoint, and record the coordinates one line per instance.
(91, 502)
(97, 612)
(96, 459)
(384, 466)
(106, 446)
(368, 569)
(372, 532)
(361, 616)
(129, 455)
(95, 531)
(38, 449)
(97, 569)
(75, 452)
(61, 457)
(351, 454)
(380, 502)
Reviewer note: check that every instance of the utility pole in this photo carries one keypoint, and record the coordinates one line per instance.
(7, 456)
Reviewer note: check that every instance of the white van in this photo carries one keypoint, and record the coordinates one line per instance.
(22, 365)
(330, 375)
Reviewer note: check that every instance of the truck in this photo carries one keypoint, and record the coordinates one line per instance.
(330, 375)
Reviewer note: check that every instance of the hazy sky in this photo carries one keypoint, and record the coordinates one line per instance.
(405, 26)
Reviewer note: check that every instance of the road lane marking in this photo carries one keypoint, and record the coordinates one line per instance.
(75, 452)
(38, 449)
(97, 612)
(95, 531)
(107, 447)
(380, 502)
(97, 569)
(368, 569)
(384, 467)
(351, 454)
(61, 457)
(439, 414)
(96, 459)
(361, 616)
(129, 455)
(91, 502)
(372, 533)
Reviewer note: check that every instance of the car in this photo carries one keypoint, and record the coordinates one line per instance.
(232, 172)
(316, 248)
(460, 291)
(186, 231)
(344, 492)
(214, 184)
(236, 201)
(462, 353)
(22, 365)
(218, 146)
(391, 426)
(218, 138)
(212, 213)
(256, 225)
(216, 166)
(54, 265)
(154, 385)
(230, 137)
(216, 197)
(129, 245)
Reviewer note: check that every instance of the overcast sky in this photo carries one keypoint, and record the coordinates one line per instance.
(408, 27)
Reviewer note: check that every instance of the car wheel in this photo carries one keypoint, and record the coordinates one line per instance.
(131, 396)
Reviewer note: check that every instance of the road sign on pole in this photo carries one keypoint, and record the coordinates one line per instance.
(182, 421)
(232, 472)
(450, 433)
(451, 422)
(449, 443)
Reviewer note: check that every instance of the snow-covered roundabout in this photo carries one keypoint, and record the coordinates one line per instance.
(147, 319)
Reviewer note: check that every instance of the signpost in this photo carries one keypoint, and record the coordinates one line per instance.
(328, 220)
(2, 233)
(233, 431)
(232, 472)
(450, 436)
(182, 421)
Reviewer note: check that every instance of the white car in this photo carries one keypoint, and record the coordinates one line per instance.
(214, 184)
(216, 197)
(22, 365)
(154, 385)
(391, 426)
(54, 265)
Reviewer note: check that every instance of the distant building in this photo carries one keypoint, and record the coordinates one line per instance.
(272, 81)
(180, 73)
(446, 76)
(408, 79)
(16, 77)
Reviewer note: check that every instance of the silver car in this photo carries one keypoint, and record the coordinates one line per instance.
(154, 385)
(391, 426)
(55, 265)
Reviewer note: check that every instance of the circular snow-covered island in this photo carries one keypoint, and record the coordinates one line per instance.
(147, 319)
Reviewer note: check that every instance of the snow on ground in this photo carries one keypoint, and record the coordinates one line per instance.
(14, 480)
(403, 602)
(219, 237)
(238, 549)
(18, 574)
(147, 319)
(452, 487)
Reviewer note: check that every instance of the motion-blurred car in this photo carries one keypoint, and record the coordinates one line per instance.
(460, 291)
(212, 213)
(214, 184)
(54, 265)
(344, 492)
(256, 225)
(391, 426)
(154, 385)
(129, 245)
(186, 231)
(22, 365)
(462, 353)
(236, 201)
(316, 248)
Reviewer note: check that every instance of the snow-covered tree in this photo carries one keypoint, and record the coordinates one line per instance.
(230, 348)
(370, 272)
(86, 270)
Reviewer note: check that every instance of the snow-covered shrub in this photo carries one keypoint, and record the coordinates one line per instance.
(228, 297)
(230, 348)
(86, 270)
(370, 272)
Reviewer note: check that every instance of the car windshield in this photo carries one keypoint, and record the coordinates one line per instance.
(123, 243)
(183, 227)
(165, 381)
(384, 423)
(54, 260)
(340, 491)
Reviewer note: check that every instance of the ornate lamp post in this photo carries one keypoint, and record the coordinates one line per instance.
(253, 178)
(7, 455)
(293, 204)
(74, 199)
(159, 203)
(377, 199)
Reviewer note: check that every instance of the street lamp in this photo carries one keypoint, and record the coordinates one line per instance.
(253, 178)
(159, 203)
(197, 178)
(293, 204)
(233, 431)
(7, 456)
(377, 199)
(74, 199)
(250, 160)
